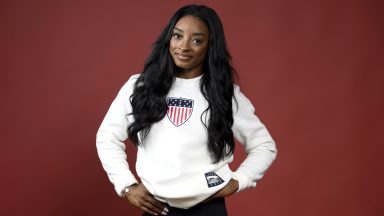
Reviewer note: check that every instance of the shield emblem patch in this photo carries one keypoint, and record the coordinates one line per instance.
(179, 110)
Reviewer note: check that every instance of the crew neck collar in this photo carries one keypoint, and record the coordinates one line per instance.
(184, 81)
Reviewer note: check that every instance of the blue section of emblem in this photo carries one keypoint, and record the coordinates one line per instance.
(213, 179)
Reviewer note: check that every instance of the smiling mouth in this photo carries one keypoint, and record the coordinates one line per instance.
(183, 56)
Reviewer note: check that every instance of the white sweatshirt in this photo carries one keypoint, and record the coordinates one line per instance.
(174, 163)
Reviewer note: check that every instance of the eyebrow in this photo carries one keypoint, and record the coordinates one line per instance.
(196, 34)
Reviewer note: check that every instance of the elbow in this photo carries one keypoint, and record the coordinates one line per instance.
(272, 149)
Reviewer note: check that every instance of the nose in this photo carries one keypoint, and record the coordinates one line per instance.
(183, 49)
(183, 45)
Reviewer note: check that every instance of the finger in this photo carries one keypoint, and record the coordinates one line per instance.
(234, 186)
(145, 209)
(228, 190)
(142, 203)
(153, 209)
(149, 198)
(156, 204)
(160, 206)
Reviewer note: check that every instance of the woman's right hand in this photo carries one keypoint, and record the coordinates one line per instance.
(139, 196)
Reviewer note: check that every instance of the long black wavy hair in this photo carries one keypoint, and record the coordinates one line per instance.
(149, 96)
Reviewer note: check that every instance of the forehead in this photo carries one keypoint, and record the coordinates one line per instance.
(192, 24)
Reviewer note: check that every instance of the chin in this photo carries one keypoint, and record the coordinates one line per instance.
(183, 66)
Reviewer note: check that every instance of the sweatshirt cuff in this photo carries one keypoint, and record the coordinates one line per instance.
(244, 181)
(123, 182)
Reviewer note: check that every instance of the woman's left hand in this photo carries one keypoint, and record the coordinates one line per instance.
(229, 189)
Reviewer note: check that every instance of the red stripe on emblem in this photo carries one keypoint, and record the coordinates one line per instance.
(182, 115)
(178, 116)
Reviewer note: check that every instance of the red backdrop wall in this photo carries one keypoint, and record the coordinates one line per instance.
(313, 69)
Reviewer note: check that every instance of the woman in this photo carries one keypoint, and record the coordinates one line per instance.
(183, 113)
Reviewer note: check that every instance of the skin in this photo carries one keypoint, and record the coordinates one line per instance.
(188, 48)
(140, 197)
(189, 45)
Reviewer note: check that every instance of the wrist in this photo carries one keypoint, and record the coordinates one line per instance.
(125, 190)
(235, 185)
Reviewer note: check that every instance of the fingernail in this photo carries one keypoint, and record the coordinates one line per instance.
(166, 209)
(164, 213)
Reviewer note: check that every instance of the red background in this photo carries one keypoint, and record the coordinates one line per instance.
(313, 69)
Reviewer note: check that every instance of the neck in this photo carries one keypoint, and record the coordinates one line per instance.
(189, 74)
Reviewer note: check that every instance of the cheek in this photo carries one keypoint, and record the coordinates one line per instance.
(202, 52)
(172, 45)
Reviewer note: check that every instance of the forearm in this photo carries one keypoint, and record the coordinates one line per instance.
(255, 165)
(114, 162)
(257, 141)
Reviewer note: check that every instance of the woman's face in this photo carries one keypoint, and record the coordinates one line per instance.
(189, 44)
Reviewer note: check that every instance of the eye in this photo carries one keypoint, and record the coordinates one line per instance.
(176, 35)
(197, 41)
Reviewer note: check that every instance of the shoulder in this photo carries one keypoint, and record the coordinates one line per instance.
(127, 88)
(236, 87)
(133, 78)
(237, 93)
(130, 83)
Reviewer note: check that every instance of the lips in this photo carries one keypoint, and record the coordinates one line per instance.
(183, 57)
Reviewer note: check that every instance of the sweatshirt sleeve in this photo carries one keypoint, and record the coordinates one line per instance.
(254, 136)
(111, 136)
